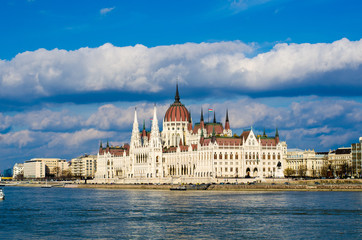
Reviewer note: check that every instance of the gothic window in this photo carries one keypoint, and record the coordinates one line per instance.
(220, 156)
(226, 156)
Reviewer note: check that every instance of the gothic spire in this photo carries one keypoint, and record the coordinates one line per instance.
(101, 145)
(276, 133)
(202, 116)
(214, 117)
(155, 132)
(227, 124)
(144, 125)
(177, 96)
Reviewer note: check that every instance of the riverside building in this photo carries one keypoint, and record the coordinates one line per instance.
(184, 152)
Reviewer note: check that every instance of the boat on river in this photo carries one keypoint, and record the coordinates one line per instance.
(178, 188)
(46, 185)
(2, 195)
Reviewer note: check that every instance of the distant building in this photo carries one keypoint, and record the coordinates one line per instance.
(309, 160)
(18, 170)
(34, 168)
(357, 158)
(8, 172)
(340, 161)
(53, 167)
(84, 166)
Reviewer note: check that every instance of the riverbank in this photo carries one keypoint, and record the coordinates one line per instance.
(270, 185)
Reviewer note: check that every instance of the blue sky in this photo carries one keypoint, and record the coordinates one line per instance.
(71, 72)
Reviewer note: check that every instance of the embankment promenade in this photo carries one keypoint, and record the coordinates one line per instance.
(269, 185)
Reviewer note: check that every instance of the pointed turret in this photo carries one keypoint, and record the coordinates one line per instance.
(100, 146)
(155, 138)
(135, 139)
(189, 125)
(227, 124)
(202, 125)
(144, 133)
(177, 96)
(214, 118)
(264, 135)
(276, 136)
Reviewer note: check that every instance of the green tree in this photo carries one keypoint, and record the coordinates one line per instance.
(288, 172)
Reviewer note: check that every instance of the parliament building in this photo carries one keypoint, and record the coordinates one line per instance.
(187, 152)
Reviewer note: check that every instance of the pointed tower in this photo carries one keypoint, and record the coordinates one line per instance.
(135, 138)
(189, 125)
(155, 139)
(227, 124)
(214, 118)
(276, 136)
(100, 148)
(202, 124)
(177, 96)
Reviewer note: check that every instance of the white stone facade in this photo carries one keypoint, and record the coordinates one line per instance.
(183, 153)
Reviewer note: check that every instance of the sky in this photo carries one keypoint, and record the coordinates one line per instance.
(72, 72)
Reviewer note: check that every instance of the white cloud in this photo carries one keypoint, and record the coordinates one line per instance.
(20, 139)
(222, 66)
(104, 11)
(78, 138)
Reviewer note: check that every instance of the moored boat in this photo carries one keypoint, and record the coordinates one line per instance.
(178, 188)
(2, 195)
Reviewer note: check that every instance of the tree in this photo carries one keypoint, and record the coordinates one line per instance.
(288, 172)
(57, 171)
(20, 176)
(302, 170)
(67, 174)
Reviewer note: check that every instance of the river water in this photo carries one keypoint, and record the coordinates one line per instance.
(63, 213)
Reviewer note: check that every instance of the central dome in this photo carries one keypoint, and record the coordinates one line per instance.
(177, 112)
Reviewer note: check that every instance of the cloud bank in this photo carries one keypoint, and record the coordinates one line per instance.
(299, 69)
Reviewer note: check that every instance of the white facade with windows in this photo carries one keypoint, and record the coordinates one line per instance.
(187, 153)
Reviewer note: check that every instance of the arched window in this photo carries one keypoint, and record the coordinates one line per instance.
(215, 156)
(226, 156)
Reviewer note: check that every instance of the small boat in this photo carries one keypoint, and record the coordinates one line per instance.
(46, 185)
(2, 195)
(178, 188)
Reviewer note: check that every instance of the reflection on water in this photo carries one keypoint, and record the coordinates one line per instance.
(127, 214)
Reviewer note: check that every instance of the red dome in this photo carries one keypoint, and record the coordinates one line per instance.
(177, 112)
